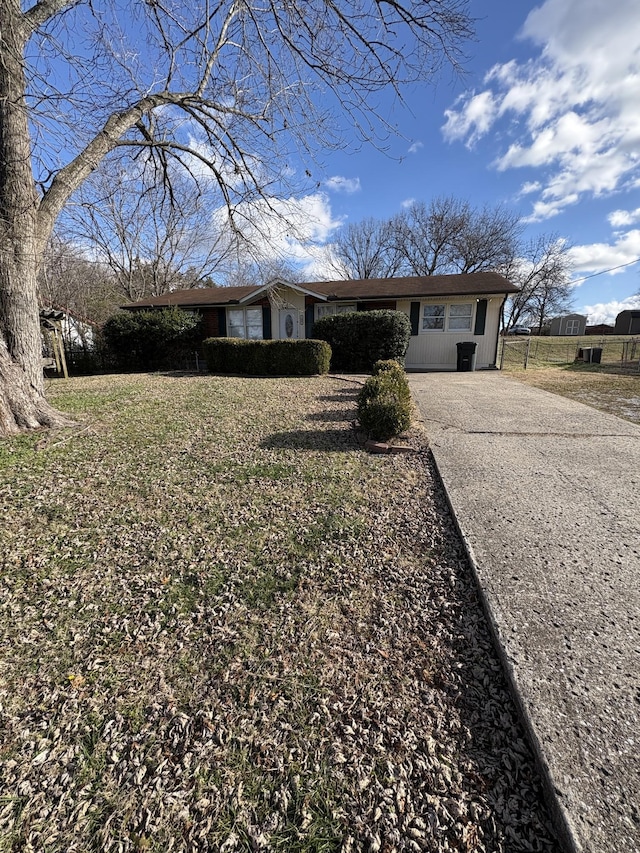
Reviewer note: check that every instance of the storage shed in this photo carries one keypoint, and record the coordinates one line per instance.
(628, 323)
(568, 324)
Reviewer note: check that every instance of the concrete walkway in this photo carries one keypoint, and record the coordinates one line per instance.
(546, 492)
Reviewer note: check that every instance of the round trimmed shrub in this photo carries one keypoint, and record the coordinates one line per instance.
(384, 404)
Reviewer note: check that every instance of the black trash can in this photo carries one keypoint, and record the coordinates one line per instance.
(466, 355)
(596, 355)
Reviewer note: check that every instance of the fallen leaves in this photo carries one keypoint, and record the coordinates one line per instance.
(213, 641)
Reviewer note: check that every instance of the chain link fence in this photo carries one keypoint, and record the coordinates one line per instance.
(611, 351)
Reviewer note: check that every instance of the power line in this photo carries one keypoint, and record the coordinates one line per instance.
(602, 272)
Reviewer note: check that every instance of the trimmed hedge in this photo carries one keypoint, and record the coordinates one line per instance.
(267, 358)
(360, 338)
(150, 340)
(384, 403)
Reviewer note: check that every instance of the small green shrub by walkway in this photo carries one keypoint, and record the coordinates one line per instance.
(384, 403)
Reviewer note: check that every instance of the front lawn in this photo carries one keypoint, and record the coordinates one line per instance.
(225, 627)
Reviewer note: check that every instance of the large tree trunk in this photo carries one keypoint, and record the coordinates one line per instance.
(22, 404)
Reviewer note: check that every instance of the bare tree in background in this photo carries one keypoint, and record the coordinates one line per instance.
(367, 249)
(68, 280)
(231, 91)
(150, 239)
(450, 236)
(261, 271)
(541, 270)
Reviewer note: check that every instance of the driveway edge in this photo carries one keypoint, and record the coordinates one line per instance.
(561, 821)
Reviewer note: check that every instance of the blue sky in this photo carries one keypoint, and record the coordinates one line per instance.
(545, 121)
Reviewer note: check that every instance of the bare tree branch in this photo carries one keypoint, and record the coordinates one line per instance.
(43, 11)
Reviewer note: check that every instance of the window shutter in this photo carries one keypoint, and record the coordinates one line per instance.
(414, 316)
(266, 322)
(222, 322)
(308, 320)
(481, 317)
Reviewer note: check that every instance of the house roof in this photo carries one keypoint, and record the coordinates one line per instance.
(416, 286)
(408, 287)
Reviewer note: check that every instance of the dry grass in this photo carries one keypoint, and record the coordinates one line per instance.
(607, 389)
(552, 351)
(224, 627)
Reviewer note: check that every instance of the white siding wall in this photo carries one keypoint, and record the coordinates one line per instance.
(437, 350)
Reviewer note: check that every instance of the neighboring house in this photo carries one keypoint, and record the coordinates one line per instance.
(628, 323)
(569, 324)
(600, 329)
(444, 310)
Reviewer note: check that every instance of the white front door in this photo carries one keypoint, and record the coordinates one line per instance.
(288, 324)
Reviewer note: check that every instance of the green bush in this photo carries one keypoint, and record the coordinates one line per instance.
(384, 403)
(150, 340)
(267, 358)
(360, 338)
(388, 365)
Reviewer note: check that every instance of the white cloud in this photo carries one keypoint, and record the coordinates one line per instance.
(413, 149)
(571, 112)
(473, 120)
(407, 203)
(606, 312)
(596, 257)
(339, 184)
(530, 187)
(618, 218)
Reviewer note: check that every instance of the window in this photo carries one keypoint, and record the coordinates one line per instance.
(460, 317)
(323, 310)
(433, 317)
(573, 327)
(456, 317)
(245, 323)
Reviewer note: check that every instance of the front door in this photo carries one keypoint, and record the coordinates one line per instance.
(288, 324)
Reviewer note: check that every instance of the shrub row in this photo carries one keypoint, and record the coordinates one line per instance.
(360, 338)
(267, 358)
(384, 403)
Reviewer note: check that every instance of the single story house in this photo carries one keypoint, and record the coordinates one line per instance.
(444, 310)
(569, 324)
(628, 323)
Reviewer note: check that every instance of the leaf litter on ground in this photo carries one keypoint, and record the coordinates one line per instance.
(225, 627)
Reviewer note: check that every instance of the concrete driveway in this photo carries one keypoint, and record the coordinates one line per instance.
(546, 492)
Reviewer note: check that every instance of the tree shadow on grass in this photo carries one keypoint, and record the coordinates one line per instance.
(327, 440)
(344, 395)
(333, 416)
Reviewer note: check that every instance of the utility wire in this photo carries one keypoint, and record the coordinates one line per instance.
(602, 272)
